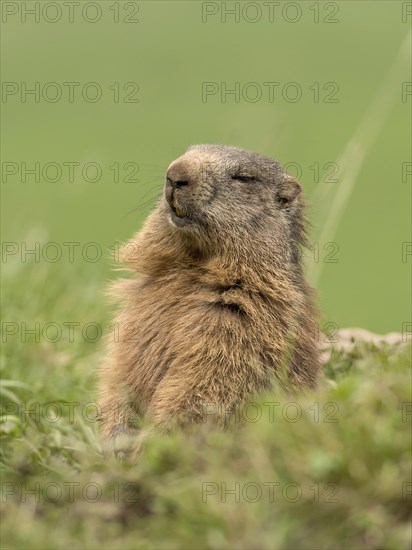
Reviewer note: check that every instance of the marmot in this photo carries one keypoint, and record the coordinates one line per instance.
(221, 307)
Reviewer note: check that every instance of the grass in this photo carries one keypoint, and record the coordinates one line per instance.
(330, 469)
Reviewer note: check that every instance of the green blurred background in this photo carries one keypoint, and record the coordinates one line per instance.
(174, 48)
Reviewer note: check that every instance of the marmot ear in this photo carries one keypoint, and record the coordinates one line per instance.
(289, 189)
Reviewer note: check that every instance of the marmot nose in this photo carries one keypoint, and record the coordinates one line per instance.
(177, 184)
(177, 176)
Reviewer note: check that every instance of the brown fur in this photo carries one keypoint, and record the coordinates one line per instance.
(221, 308)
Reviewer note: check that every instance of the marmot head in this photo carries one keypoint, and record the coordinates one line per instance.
(214, 193)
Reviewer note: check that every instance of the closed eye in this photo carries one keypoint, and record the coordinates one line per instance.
(245, 179)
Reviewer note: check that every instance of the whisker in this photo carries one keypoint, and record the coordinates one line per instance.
(146, 182)
(142, 205)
